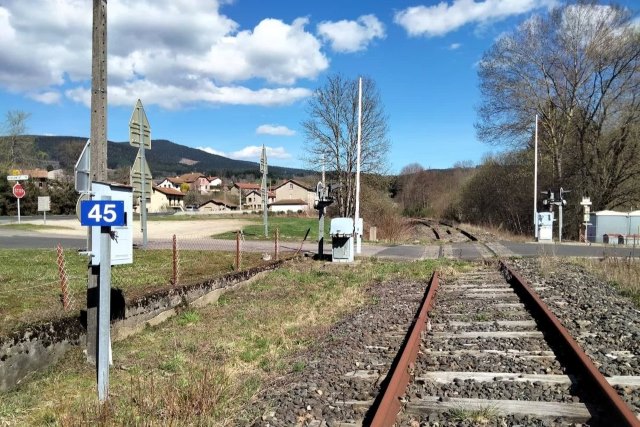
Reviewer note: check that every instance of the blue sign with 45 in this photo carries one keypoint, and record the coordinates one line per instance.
(102, 213)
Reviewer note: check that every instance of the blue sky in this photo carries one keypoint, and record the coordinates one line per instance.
(229, 76)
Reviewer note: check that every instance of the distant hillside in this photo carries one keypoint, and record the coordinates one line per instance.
(165, 158)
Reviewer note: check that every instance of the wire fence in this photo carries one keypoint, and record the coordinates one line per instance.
(51, 284)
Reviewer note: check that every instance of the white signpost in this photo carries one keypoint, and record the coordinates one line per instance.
(44, 206)
(265, 193)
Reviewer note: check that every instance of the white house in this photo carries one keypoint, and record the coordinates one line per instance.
(214, 183)
(171, 183)
(289, 205)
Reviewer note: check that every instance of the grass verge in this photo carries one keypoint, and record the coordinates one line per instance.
(623, 273)
(35, 227)
(30, 284)
(203, 366)
(292, 228)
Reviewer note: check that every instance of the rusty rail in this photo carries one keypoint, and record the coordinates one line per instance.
(389, 406)
(615, 409)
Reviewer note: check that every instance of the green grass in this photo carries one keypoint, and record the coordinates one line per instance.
(194, 217)
(35, 227)
(206, 371)
(292, 228)
(30, 286)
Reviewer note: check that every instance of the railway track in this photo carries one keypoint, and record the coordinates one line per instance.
(487, 350)
(441, 231)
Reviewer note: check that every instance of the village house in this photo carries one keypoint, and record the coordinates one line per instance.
(39, 177)
(164, 200)
(214, 205)
(289, 205)
(294, 190)
(215, 183)
(240, 190)
(171, 183)
(253, 200)
(196, 181)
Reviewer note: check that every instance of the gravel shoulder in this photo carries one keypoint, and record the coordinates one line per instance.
(156, 229)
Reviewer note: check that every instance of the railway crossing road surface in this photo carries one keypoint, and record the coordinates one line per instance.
(20, 239)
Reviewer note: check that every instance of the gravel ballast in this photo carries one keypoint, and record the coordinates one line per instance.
(342, 372)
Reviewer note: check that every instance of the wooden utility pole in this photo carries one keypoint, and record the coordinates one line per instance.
(98, 154)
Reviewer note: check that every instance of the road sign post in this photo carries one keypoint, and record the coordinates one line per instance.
(265, 192)
(103, 213)
(140, 136)
(44, 205)
(18, 192)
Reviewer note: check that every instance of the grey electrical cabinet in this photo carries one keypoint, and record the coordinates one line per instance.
(341, 239)
(545, 226)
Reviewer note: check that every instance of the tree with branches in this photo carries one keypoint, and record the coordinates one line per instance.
(578, 68)
(16, 149)
(331, 134)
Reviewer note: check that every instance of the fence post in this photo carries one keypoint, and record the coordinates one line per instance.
(277, 242)
(174, 276)
(64, 285)
(238, 250)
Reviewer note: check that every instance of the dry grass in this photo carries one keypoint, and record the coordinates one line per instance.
(496, 233)
(623, 273)
(203, 366)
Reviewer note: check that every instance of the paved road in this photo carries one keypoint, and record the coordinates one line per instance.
(18, 239)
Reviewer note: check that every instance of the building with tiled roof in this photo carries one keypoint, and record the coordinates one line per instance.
(294, 190)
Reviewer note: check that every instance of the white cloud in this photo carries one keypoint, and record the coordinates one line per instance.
(251, 152)
(49, 97)
(212, 151)
(171, 96)
(274, 130)
(175, 52)
(442, 18)
(351, 36)
(454, 46)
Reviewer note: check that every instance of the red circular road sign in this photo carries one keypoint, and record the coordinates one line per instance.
(18, 191)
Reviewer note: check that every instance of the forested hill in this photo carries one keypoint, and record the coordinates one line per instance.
(165, 158)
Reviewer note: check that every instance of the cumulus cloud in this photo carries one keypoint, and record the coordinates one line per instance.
(185, 50)
(351, 36)
(49, 97)
(212, 151)
(274, 130)
(173, 97)
(454, 46)
(443, 18)
(251, 152)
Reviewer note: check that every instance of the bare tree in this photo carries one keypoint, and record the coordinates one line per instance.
(16, 150)
(331, 134)
(579, 69)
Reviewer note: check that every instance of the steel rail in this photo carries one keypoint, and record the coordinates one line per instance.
(616, 410)
(389, 406)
